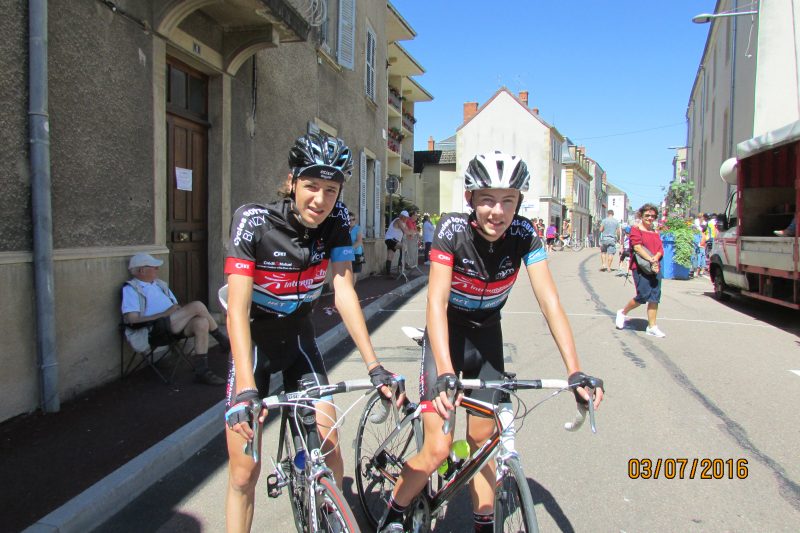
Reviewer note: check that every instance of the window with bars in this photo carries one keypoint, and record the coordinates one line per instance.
(369, 70)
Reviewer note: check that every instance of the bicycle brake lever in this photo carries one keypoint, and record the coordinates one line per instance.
(253, 445)
(591, 411)
(447, 427)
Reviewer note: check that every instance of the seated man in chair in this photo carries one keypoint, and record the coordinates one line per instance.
(145, 298)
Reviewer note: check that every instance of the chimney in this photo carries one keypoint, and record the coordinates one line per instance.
(523, 96)
(470, 110)
(431, 145)
(535, 110)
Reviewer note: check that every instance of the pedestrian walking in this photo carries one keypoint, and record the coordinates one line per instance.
(550, 235)
(609, 233)
(427, 236)
(358, 246)
(646, 243)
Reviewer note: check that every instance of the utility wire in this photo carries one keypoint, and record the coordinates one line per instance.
(631, 132)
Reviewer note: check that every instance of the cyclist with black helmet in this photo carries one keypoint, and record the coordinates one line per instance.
(475, 259)
(277, 261)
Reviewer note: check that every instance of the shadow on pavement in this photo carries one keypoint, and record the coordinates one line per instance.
(159, 503)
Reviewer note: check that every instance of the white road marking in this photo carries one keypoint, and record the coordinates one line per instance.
(600, 315)
(795, 372)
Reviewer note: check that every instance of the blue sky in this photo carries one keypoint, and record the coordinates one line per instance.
(597, 70)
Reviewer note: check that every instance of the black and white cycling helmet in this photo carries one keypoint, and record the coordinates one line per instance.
(316, 155)
(496, 170)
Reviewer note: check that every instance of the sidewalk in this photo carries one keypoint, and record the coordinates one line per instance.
(139, 424)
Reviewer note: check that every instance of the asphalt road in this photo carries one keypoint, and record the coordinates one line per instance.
(719, 387)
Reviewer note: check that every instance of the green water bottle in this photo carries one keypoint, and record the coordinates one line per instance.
(459, 451)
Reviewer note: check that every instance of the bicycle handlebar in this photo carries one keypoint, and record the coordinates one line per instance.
(513, 384)
(308, 392)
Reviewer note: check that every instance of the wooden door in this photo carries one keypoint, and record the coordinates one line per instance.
(187, 210)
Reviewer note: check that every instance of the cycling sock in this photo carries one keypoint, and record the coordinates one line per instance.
(484, 523)
(394, 512)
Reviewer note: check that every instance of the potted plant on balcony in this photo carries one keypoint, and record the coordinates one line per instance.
(396, 134)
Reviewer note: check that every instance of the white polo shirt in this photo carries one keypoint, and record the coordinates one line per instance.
(155, 299)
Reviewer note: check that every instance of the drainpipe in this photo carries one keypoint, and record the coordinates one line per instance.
(42, 210)
(732, 105)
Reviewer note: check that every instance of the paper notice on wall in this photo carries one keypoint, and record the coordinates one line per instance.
(183, 177)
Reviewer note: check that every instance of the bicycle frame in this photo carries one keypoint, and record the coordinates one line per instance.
(501, 439)
(299, 414)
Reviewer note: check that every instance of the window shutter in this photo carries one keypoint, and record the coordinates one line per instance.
(346, 44)
(362, 191)
(370, 65)
(376, 218)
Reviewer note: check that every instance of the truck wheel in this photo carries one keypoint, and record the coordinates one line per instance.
(719, 285)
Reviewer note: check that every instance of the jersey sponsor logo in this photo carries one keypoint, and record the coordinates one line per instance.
(441, 257)
(234, 265)
(279, 254)
(468, 261)
(452, 226)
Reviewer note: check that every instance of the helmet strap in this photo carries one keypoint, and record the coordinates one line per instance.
(519, 203)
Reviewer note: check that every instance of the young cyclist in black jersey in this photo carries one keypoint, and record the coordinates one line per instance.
(475, 259)
(278, 257)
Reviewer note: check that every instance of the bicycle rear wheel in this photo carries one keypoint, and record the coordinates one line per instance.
(577, 245)
(333, 513)
(376, 473)
(513, 504)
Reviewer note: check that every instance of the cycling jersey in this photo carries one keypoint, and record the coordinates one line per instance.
(483, 272)
(287, 261)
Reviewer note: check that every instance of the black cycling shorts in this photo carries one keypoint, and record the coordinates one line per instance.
(286, 345)
(391, 244)
(475, 353)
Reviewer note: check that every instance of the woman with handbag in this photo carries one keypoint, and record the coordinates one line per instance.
(646, 268)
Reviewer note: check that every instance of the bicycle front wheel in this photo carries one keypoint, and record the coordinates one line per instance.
(376, 472)
(577, 246)
(513, 504)
(333, 513)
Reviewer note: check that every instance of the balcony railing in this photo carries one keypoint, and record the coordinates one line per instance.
(407, 157)
(409, 121)
(394, 98)
(393, 145)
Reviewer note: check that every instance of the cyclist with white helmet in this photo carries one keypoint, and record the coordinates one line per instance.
(277, 260)
(475, 259)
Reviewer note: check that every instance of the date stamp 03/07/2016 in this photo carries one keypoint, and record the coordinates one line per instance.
(687, 468)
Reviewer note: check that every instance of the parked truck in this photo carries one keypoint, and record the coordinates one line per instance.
(747, 257)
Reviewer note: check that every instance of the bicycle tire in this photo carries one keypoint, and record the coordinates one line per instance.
(333, 513)
(513, 504)
(577, 246)
(558, 245)
(373, 488)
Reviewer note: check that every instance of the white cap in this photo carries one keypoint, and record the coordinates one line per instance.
(403, 213)
(144, 260)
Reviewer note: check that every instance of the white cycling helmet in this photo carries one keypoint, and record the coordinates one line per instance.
(496, 170)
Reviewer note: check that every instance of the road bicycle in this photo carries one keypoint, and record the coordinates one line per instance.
(317, 503)
(571, 243)
(384, 443)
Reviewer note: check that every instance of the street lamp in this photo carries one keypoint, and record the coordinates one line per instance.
(705, 18)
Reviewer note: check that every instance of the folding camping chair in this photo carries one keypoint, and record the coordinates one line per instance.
(152, 356)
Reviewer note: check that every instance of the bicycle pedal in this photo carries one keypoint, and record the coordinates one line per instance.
(274, 486)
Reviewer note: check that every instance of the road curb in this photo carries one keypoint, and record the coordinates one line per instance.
(101, 501)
